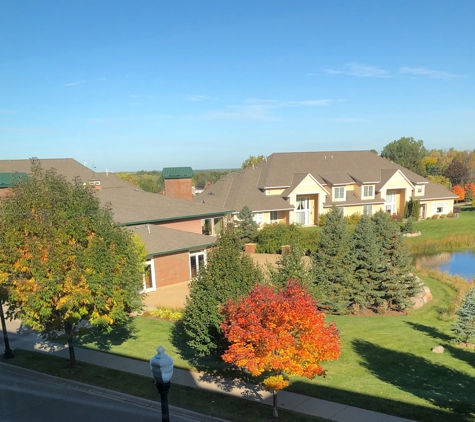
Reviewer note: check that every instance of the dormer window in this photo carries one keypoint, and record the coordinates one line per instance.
(339, 193)
(368, 191)
(419, 190)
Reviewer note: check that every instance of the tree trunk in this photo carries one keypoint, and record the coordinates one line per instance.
(68, 327)
(275, 413)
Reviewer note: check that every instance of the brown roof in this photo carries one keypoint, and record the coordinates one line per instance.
(286, 170)
(162, 240)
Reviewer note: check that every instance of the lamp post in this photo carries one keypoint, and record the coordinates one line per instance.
(8, 352)
(161, 366)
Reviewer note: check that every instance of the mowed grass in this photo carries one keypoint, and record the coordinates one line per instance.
(386, 363)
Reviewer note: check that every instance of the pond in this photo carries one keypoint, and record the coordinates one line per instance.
(454, 263)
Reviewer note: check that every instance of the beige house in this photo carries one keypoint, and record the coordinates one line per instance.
(299, 187)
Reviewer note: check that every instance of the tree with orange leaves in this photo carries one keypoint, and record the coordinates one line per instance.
(460, 191)
(469, 191)
(279, 333)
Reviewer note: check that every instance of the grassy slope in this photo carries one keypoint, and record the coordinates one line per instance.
(386, 364)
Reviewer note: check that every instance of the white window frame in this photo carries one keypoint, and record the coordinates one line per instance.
(367, 209)
(304, 201)
(368, 188)
(341, 195)
(258, 217)
(443, 205)
(196, 256)
(152, 277)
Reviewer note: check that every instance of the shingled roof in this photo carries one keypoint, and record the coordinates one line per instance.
(285, 170)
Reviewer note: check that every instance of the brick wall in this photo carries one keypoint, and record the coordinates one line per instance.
(179, 188)
(172, 269)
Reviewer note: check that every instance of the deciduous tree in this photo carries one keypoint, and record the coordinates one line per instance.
(460, 191)
(63, 259)
(280, 334)
(252, 161)
(408, 153)
(229, 273)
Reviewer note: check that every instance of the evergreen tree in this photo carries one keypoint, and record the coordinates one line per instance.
(464, 328)
(398, 284)
(332, 265)
(229, 273)
(246, 225)
(290, 266)
(367, 271)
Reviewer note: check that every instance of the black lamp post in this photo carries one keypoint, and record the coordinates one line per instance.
(8, 352)
(161, 366)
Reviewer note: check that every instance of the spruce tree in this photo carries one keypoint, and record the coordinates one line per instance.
(398, 283)
(367, 271)
(290, 266)
(246, 225)
(332, 265)
(464, 327)
(229, 273)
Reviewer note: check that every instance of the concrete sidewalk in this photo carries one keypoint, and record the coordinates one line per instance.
(27, 340)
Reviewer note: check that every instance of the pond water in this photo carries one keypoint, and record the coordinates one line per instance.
(454, 263)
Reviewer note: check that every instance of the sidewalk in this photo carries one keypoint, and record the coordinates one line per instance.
(27, 340)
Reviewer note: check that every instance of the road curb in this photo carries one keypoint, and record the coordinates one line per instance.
(111, 394)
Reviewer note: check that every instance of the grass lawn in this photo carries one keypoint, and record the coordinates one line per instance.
(438, 230)
(386, 364)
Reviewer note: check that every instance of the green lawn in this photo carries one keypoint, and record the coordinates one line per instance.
(386, 363)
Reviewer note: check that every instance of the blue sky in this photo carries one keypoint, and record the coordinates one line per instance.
(131, 85)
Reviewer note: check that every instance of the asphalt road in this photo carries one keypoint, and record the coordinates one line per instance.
(26, 396)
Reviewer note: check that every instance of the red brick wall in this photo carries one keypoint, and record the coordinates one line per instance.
(172, 269)
(191, 226)
(178, 188)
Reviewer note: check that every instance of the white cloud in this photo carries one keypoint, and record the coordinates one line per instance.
(364, 71)
(197, 98)
(422, 71)
(75, 83)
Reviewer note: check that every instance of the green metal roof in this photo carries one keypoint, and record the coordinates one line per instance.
(8, 179)
(177, 173)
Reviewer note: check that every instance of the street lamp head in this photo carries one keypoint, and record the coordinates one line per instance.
(161, 366)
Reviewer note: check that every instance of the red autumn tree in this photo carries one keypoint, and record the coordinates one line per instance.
(279, 333)
(460, 191)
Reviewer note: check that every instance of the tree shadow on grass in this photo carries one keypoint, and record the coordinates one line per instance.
(444, 387)
(103, 340)
(430, 331)
(213, 370)
(465, 355)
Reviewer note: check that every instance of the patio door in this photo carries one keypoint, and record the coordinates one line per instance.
(391, 202)
(302, 212)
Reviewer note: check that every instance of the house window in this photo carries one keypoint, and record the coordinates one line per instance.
(217, 226)
(273, 216)
(339, 193)
(258, 218)
(148, 277)
(206, 226)
(440, 208)
(368, 191)
(197, 260)
(420, 190)
(367, 209)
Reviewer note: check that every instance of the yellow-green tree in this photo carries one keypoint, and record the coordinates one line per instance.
(63, 259)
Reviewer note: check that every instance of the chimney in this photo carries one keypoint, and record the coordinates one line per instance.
(178, 182)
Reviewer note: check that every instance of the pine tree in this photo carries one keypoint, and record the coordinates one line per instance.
(290, 266)
(332, 265)
(464, 328)
(229, 273)
(398, 283)
(246, 225)
(367, 272)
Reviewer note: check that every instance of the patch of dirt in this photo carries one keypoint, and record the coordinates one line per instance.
(466, 346)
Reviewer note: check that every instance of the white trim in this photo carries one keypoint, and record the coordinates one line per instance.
(150, 263)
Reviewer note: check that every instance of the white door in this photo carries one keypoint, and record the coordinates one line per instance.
(391, 202)
(302, 213)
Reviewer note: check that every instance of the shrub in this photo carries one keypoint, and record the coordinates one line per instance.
(435, 216)
(443, 216)
(322, 220)
(450, 215)
(272, 237)
(167, 313)
(354, 218)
